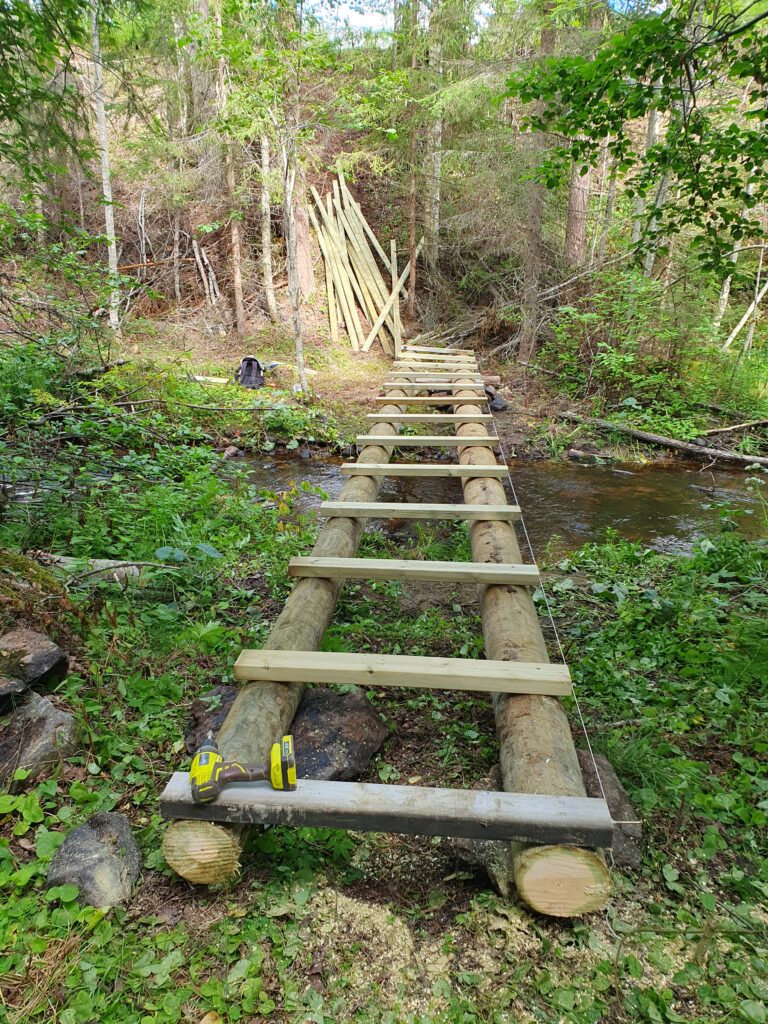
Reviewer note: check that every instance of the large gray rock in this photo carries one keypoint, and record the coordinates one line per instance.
(335, 734)
(36, 736)
(11, 687)
(29, 659)
(627, 850)
(101, 858)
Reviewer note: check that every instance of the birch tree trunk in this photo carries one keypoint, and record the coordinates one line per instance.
(176, 248)
(753, 321)
(294, 288)
(236, 255)
(106, 177)
(291, 18)
(658, 205)
(532, 248)
(605, 212)
(414, 26)
(742, 323)
(725, 290)
(432, 226)
(266, 234)
(236, 248)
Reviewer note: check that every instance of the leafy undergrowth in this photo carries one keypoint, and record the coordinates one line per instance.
(623, 353)
(670, 654)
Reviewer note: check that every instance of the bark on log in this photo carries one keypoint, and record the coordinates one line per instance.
(206, 853)
(668, 442)
(536, 747)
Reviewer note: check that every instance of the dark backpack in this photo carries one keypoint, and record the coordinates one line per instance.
(250, 373)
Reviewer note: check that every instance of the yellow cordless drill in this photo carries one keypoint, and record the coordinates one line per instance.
(210, 772)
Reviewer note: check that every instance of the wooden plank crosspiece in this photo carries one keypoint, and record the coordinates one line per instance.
(420, 510)
(415, 810)
(411, 400)
(429, 417)
(403, 670)
(419, 469)
(426, 441)
(413, 569)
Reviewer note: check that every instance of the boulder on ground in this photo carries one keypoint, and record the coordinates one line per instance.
(31, 659)
(627, 850)
(335, 734)
(101, 858)
(10, 686)
(496, 402)
(36, 736)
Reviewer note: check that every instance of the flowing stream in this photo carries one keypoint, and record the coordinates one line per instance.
(567, 504)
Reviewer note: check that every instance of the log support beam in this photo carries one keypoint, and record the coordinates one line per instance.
(537, 752)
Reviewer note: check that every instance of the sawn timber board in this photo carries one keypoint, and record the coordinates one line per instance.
(428, 417)
(427, 441)
(468, 674)
(437, 349)
(414, 569)
(418, 386)
(413, 810)
(475, 399)
(417, 510)
(420, 469)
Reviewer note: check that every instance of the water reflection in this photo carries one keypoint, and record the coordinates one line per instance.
(567, 504)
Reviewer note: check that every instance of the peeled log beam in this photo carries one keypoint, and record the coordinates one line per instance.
(536, 747)
(668, 442)
(202, 851)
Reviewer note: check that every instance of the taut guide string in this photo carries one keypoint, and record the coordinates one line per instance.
(545, 596)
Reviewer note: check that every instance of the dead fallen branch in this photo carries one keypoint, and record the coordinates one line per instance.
(736, 426)
(700, 451)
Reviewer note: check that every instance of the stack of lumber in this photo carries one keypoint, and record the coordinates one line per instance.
(448, 336)
(362, 281)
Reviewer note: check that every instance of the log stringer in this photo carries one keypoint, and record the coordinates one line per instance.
(553, 624)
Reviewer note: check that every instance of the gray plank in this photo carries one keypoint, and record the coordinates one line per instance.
(414, 810)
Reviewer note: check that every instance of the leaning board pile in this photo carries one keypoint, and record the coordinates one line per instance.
(362, 279)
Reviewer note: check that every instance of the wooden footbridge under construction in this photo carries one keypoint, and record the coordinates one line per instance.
(554, 831)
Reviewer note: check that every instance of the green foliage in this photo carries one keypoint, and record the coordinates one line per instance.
(645, 361)
(26, 372)
(712, 151)
(681, 646)
(38, 95)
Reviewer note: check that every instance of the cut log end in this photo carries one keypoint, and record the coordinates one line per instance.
(562, 881)
(203, 852)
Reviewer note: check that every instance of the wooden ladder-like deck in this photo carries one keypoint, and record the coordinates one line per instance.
(524, 817)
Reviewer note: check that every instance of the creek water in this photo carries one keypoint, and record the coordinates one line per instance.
(666, 506)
